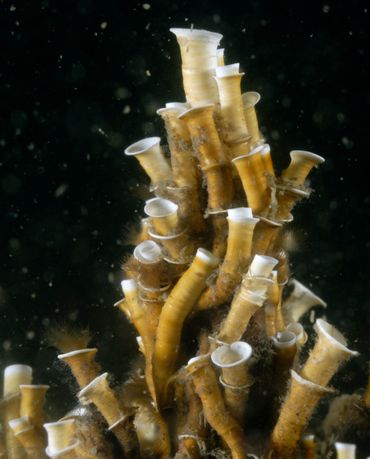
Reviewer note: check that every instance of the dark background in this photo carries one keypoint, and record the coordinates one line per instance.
(80, 80)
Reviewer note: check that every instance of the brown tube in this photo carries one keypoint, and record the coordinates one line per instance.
(177, 307)
(265, 234)
(297, 410)
(287, 197)
(206, 386)
(82, 364)
(309, 446)
(215, 166)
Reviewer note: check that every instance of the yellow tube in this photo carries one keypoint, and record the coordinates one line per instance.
(208, 390)
(233, 126)
(287, 197)
(249, 102)
(265, 235)
(252, 173)
(233, 361)
(300, 166)
(32, 403)
(297, 410)
(29, 437)
(238, 251)
(175, 310)
(148, 152)
(328, 354)
(82, 365)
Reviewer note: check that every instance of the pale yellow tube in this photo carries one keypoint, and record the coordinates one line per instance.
(82, 365)
(238, 251)
(300, 166)
(249, 102)
(252, 173)
(345, 450)
(297, 410)
(148, 152)
(233, 361)
(265, 235)
(61, 435)
(328, 354)
(175, 310)
(199, 59)
(300, 301)
(208, 390)
(32, 403)
(234, 128)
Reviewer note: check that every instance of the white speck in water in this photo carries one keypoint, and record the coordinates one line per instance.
(60, 190)
(33, 295)
(104, 25)
(12, 8)
(73, 316)
(147, 6)
(7, 345)
(126, 110)
(325, 8)
(147, 72)
(30, 334)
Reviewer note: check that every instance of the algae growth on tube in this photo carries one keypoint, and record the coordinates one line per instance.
(225, 365)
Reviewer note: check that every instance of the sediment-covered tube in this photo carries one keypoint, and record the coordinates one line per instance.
(175, 310)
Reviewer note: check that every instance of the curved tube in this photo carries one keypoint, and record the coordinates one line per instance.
(150, 156)
(328, 354)
(234, 360)
(32, 403)
(208, 390)
(300, 301)
(297, 410)
(238, 251)
(249, 101)
(82, 364)
(175, 310)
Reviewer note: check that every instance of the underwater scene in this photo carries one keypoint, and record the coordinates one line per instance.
(184, 230)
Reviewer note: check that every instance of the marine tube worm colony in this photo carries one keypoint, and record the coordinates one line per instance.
(220, 370)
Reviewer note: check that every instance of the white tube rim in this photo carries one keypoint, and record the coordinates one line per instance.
(299, 289)
(241, 349)
(197, 34)
(250, 99)
(160, 208)
(148, 252)
(307, 154)
(333, 336)
(82, 393)
(207, 256)
(238, 214)
(142, 146)
(193, 110)
(284, 339)
(88, 350)
(128, 286)
(228, 70)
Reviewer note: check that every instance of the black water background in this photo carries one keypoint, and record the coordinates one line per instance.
(80, 80)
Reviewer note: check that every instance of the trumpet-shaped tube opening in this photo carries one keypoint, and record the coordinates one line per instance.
(160, 208)
(284, 340)
(298, 330)
(82, 364)
(300, 166)
(300, 301)
(14, 376)
(148, 252)
(32, 402)
(148, 152)
(232, 355)
(345, 450)
(328, 354)
(250, 99)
